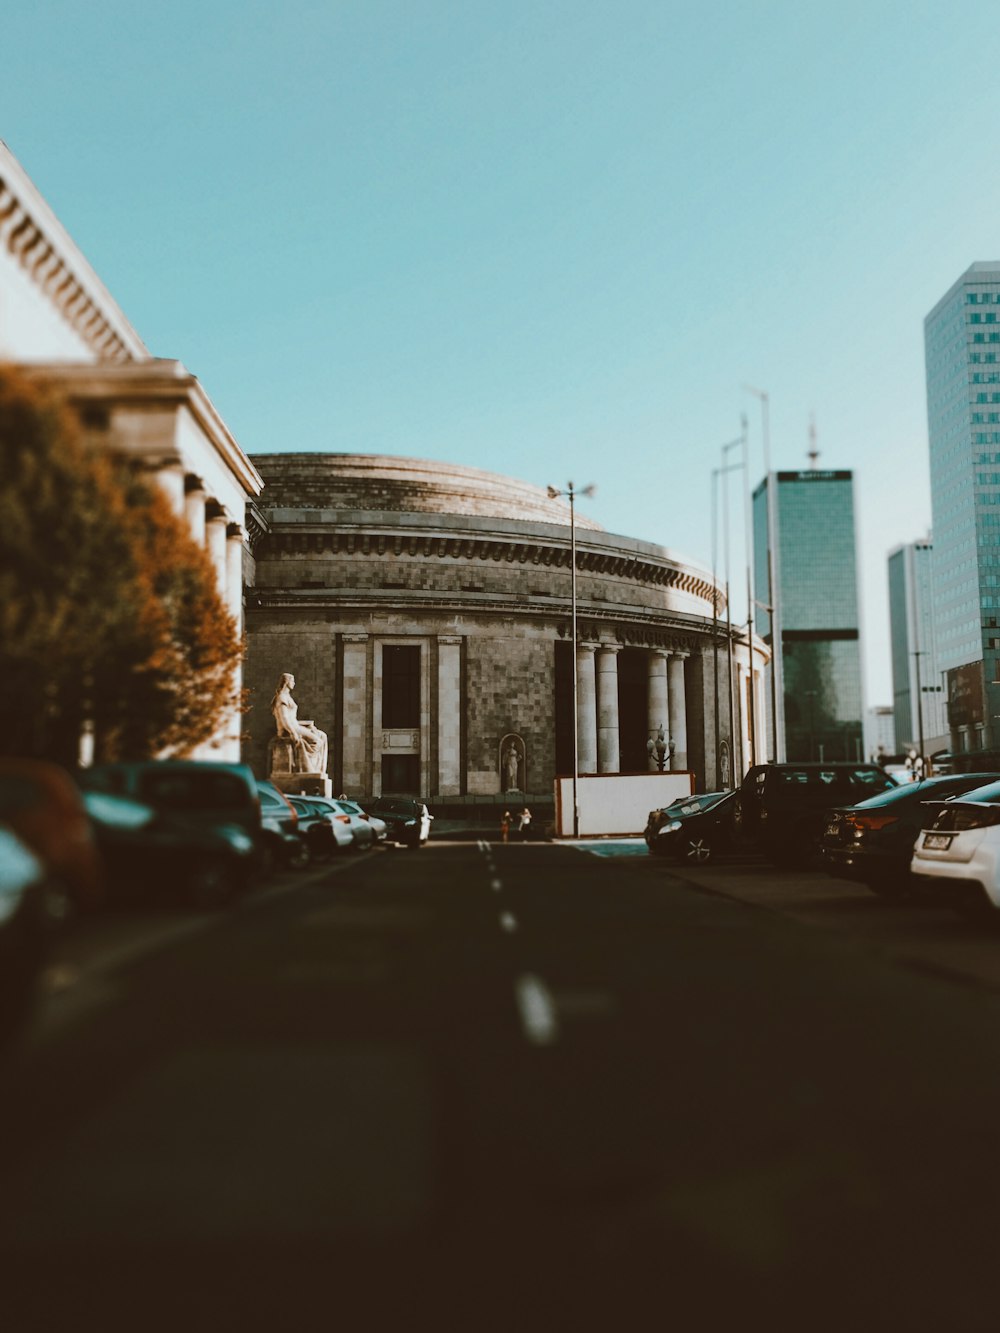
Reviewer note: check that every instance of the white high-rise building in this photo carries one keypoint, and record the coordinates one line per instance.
(918, 698)
(962, 347)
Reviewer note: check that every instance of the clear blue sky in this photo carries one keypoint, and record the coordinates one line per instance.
(551, 238)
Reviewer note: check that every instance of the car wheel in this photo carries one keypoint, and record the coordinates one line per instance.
(298, 856)
(695, 851)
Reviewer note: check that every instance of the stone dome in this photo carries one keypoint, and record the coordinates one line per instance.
(381, 483)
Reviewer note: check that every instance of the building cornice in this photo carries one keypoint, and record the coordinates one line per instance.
(44, 250)
(520, 543)
(156, 380)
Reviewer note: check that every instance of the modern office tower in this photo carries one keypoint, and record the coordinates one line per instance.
(918, 698)
(962, 349)
(880, 731)
(816, 599)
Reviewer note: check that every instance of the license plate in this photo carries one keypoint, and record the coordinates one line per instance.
(937, 842)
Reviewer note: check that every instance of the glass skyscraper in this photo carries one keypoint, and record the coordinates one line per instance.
(962, 350)
(816, 601)
(916, 672)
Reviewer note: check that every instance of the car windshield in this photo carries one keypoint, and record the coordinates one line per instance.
(388, 806)
(696, 804)
(116, 811)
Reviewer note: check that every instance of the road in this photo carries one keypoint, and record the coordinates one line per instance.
(520, 1086)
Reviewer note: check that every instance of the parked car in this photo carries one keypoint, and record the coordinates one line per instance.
(957, 855)
(206, 791)
(407, 820)
(695, 828)
(324, 830)
(23, 877)
(872, 842)
(146, 850)
(41, 804)
(362, 829)
(352, 808)
(280, 844)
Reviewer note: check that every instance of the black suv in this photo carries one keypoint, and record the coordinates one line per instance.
(406, 820)
(783, 806)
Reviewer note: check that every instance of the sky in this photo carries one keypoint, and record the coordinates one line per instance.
(550, 238)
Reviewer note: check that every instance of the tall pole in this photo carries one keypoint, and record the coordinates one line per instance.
(752, 719)
(917, 654)
(772, 591)
(576, 724)
(715, 616)
(571, 493)
(733, 444)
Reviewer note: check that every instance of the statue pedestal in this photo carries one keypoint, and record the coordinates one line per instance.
(303, 784)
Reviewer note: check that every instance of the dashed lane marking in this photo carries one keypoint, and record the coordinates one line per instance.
(537, 1010)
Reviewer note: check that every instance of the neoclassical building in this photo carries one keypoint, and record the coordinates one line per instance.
(59, 323)
(424, 610)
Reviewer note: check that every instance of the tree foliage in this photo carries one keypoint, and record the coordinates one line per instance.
(109, 609)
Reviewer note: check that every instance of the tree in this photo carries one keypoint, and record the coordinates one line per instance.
(109, 610)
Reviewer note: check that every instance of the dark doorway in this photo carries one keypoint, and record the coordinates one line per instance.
(632, 723)
(400, 775)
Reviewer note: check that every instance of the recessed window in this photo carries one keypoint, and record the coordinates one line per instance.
(401, 685)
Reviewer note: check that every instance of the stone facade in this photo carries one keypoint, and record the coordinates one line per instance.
(358, 555)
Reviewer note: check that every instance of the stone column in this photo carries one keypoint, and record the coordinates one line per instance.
(657, 713)
(194, 508)
(449, 717)
(608, 752)
(169, 477)
(234, 573)
(586, 708)
(215, 543)
(353, 724)
(678, 710)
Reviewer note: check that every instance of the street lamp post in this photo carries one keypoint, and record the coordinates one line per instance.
(571, 493)
(772, 593)
(722, 472)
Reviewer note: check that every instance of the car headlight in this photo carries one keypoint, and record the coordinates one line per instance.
(410, 823)
(672, 827)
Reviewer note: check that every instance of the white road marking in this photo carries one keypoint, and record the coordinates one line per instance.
(496, 885)
(508, 921)
(537, 1010)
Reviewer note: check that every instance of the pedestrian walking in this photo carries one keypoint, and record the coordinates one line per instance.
(524, 823)
(505, 826)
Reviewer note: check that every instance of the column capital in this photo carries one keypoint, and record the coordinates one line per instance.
(613, 648)
(587, 646)
(450, 639)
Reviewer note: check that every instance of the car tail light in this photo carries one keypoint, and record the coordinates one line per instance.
(872, 822)
(344, 819)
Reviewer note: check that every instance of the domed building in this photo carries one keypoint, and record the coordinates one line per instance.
(424, 611)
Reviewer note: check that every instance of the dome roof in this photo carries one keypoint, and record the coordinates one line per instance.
(382, 483)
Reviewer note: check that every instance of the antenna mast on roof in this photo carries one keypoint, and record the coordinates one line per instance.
(813, 452)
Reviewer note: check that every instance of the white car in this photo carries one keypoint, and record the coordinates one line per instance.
(958, 851)
(377, 824)
(362, 831)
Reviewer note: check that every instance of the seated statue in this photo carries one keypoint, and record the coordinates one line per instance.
(306, 745)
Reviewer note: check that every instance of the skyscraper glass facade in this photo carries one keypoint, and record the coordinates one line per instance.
(916, 672)
(815, 574)
(962, 350)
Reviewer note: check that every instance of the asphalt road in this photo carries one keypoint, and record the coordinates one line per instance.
(512, 1087)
